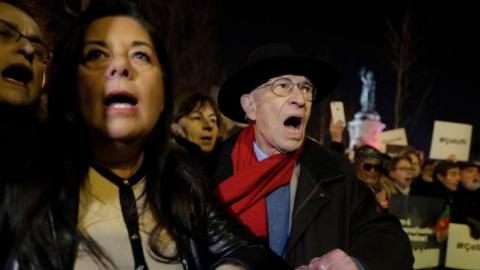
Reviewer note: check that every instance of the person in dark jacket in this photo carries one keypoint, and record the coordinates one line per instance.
(24, 56)
(120, 197)
(303, 199)
(467, 196)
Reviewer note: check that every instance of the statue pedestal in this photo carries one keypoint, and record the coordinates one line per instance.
(364, 129)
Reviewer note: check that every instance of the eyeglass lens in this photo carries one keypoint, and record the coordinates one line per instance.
(9, 34)
(284, 86)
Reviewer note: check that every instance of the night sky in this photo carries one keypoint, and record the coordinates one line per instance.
(350, 35)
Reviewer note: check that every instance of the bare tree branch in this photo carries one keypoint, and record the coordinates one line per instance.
(404, 46)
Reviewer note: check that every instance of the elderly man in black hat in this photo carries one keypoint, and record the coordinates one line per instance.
(303, 199)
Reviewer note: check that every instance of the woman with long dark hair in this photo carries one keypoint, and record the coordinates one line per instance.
(120, 197)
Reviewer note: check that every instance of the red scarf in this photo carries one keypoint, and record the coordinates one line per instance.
(245, 191)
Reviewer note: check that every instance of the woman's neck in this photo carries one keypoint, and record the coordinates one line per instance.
(123, 159)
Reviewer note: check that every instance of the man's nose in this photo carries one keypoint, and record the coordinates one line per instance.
(297, 96)
(25, 48)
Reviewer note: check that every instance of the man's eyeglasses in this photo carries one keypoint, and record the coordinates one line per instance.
(369, 166)
(10, 34)
(284, 86)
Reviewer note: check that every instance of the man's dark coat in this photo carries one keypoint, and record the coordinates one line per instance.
(333, 209)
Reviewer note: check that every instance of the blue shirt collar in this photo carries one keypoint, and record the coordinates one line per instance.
(258, 152)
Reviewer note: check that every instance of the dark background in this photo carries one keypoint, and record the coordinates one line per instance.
(350, 35)
(208, 39)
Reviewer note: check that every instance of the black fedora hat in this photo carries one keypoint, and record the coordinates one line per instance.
(267, 62)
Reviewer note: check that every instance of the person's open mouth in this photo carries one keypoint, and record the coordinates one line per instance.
(120, 100)
(293, 122)
(206, 139)
(294, 125)
(18, 74)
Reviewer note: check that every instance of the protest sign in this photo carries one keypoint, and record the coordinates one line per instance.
(396, 136)
(450, 138)
(393, 137)
(463, 251)
(419, 217)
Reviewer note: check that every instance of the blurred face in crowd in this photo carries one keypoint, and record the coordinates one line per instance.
(427, 172)
(120, 82)
(470, 178)
(279, 120)
(23, 57)
(416, 169)
(401, 174)
(369, 171)
(200, 126)
(451, 179)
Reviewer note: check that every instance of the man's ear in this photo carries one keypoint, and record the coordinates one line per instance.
(440, 177)
(249, 106)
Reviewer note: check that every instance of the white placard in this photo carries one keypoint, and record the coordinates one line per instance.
(426, 258)
(463, 251)
(451, 138)
(396, 136)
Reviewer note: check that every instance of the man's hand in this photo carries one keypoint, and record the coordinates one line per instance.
(229, 266)
(336, 131)
(333, 260)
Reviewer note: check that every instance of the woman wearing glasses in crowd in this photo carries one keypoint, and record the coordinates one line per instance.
(24, 56)
(370, 167)
(120, 197)
(23, 61)
(401, 173)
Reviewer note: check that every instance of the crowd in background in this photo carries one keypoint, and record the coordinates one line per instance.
(103, 161)
(406, 172)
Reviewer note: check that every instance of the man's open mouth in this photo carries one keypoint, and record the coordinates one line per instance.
(293, 122)
(18, 73)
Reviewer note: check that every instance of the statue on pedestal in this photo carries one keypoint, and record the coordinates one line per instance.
(366, 125)
(367, 98)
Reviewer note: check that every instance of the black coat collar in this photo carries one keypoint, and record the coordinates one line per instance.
(320, 162)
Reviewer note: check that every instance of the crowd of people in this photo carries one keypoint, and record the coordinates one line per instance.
(406, 173)
(120, 175)
(102, 188)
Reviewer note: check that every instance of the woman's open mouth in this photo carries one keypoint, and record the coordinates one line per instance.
(120, 100)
